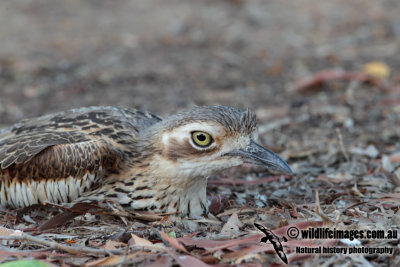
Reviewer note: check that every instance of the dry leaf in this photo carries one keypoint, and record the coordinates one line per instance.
(137, 240)
(215, 245)
(6, 232)
(218, 204)
(377, 69)
(394, 158)
(232, 226)
(113, 260)
(173, 241)
(332, 75)
(163, 261)
(111, 245)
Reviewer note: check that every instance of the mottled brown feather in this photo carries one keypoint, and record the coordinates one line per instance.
(231, 118)
(65, 160)
(95, 140)
(24, 140)
(20, 148)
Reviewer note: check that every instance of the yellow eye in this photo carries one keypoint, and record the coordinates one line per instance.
(202, 139)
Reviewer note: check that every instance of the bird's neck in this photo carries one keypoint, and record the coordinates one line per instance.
(154, 185)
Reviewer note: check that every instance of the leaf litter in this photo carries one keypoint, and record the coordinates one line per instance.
(347, 178)
(340, 133)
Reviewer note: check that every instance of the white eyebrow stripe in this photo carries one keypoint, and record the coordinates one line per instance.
(183, 132)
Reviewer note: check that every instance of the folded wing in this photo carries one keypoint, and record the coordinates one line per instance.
(55, 158)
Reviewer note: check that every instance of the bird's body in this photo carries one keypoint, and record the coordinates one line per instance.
(132, 157)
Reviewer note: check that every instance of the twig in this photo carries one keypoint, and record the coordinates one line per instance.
(55, 245)
(114, 206)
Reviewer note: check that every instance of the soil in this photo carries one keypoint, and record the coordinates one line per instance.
(340, 133)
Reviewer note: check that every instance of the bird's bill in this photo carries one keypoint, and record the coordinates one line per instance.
(259, 155)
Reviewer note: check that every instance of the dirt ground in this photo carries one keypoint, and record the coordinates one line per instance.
(322, 77)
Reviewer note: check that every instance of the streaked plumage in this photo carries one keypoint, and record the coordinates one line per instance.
(133, 157)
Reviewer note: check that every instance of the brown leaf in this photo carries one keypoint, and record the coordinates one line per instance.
(7, 232)
(210, 259)
(394, 158)
(218, 204)
(137, 240)
(173, 241)
(67, 215)
(268, 248)
(111, 245)
(113, 260)
(162, 261)
(215, 245)
(333, 75)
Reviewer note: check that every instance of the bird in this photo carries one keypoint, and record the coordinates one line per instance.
(275, 241)
(132, 157)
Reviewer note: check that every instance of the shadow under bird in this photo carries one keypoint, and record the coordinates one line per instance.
(133, 157)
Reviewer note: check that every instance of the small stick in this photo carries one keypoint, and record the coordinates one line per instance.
(55, 245)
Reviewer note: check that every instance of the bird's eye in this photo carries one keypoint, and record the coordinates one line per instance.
(202, 139)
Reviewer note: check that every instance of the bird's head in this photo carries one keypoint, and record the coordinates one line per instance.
(204, 140)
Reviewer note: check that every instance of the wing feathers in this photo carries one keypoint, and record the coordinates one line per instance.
(21, 148)
(59, 156)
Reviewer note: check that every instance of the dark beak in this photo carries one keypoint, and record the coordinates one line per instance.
(259, 155)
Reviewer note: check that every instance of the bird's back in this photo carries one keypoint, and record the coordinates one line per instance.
(55, 158)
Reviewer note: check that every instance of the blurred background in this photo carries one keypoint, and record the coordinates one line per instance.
(163, 55)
